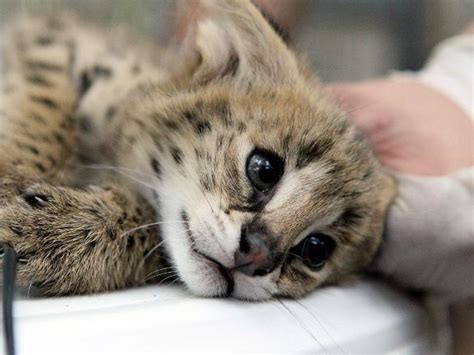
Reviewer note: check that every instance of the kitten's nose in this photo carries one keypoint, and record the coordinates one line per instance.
(253, 257)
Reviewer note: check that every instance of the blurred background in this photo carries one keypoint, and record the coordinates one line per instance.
(344, 39)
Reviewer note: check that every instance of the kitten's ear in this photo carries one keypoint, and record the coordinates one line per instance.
(235, 38)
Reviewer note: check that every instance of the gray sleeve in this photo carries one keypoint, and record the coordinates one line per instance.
(429, 239)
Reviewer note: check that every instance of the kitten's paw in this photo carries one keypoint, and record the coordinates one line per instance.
(71, 241)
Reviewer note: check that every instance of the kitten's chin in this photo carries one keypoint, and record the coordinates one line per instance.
(202, 277)
(207, 279)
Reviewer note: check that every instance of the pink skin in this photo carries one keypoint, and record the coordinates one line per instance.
(412, 128)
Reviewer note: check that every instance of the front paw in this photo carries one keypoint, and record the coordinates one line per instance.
(71, 241)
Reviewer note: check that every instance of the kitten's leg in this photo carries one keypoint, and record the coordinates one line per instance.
(68, 240)
(73, 241)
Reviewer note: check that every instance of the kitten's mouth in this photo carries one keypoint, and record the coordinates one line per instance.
(226, 273)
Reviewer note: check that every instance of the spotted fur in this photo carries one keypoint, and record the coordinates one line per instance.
(179, 133)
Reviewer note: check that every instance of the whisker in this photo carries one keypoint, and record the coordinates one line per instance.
(307, 309)
(300, 322)
(158, 274)
(147, 255)
(147, 226)
(167, 278)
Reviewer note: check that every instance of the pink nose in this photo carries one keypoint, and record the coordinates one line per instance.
(253, 257)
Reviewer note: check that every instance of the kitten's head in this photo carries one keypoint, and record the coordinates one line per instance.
(264, 186)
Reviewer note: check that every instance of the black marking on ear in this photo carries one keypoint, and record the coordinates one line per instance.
(44, 41)
(38, 80)
(156, 166)
(45, 101)
(177, 155)
(42, 65)
(310, 152)
(110, 113)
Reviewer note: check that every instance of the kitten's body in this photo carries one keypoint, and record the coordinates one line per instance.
(185, 134)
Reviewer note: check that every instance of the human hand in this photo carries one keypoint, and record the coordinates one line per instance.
(412, 128)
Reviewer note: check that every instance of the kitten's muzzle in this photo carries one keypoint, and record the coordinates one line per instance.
(253, 258)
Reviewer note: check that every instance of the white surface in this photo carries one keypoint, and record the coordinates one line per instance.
(366, 317)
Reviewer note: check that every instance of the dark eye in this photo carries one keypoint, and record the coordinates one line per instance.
(314, 250)
(264, 169)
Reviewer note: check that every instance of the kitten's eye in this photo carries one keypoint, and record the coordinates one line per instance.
(314, 250)
(264, 169)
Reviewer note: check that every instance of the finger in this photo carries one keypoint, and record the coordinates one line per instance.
(364, 109)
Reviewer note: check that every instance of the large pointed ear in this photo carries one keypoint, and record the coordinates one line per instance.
(235, 38)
